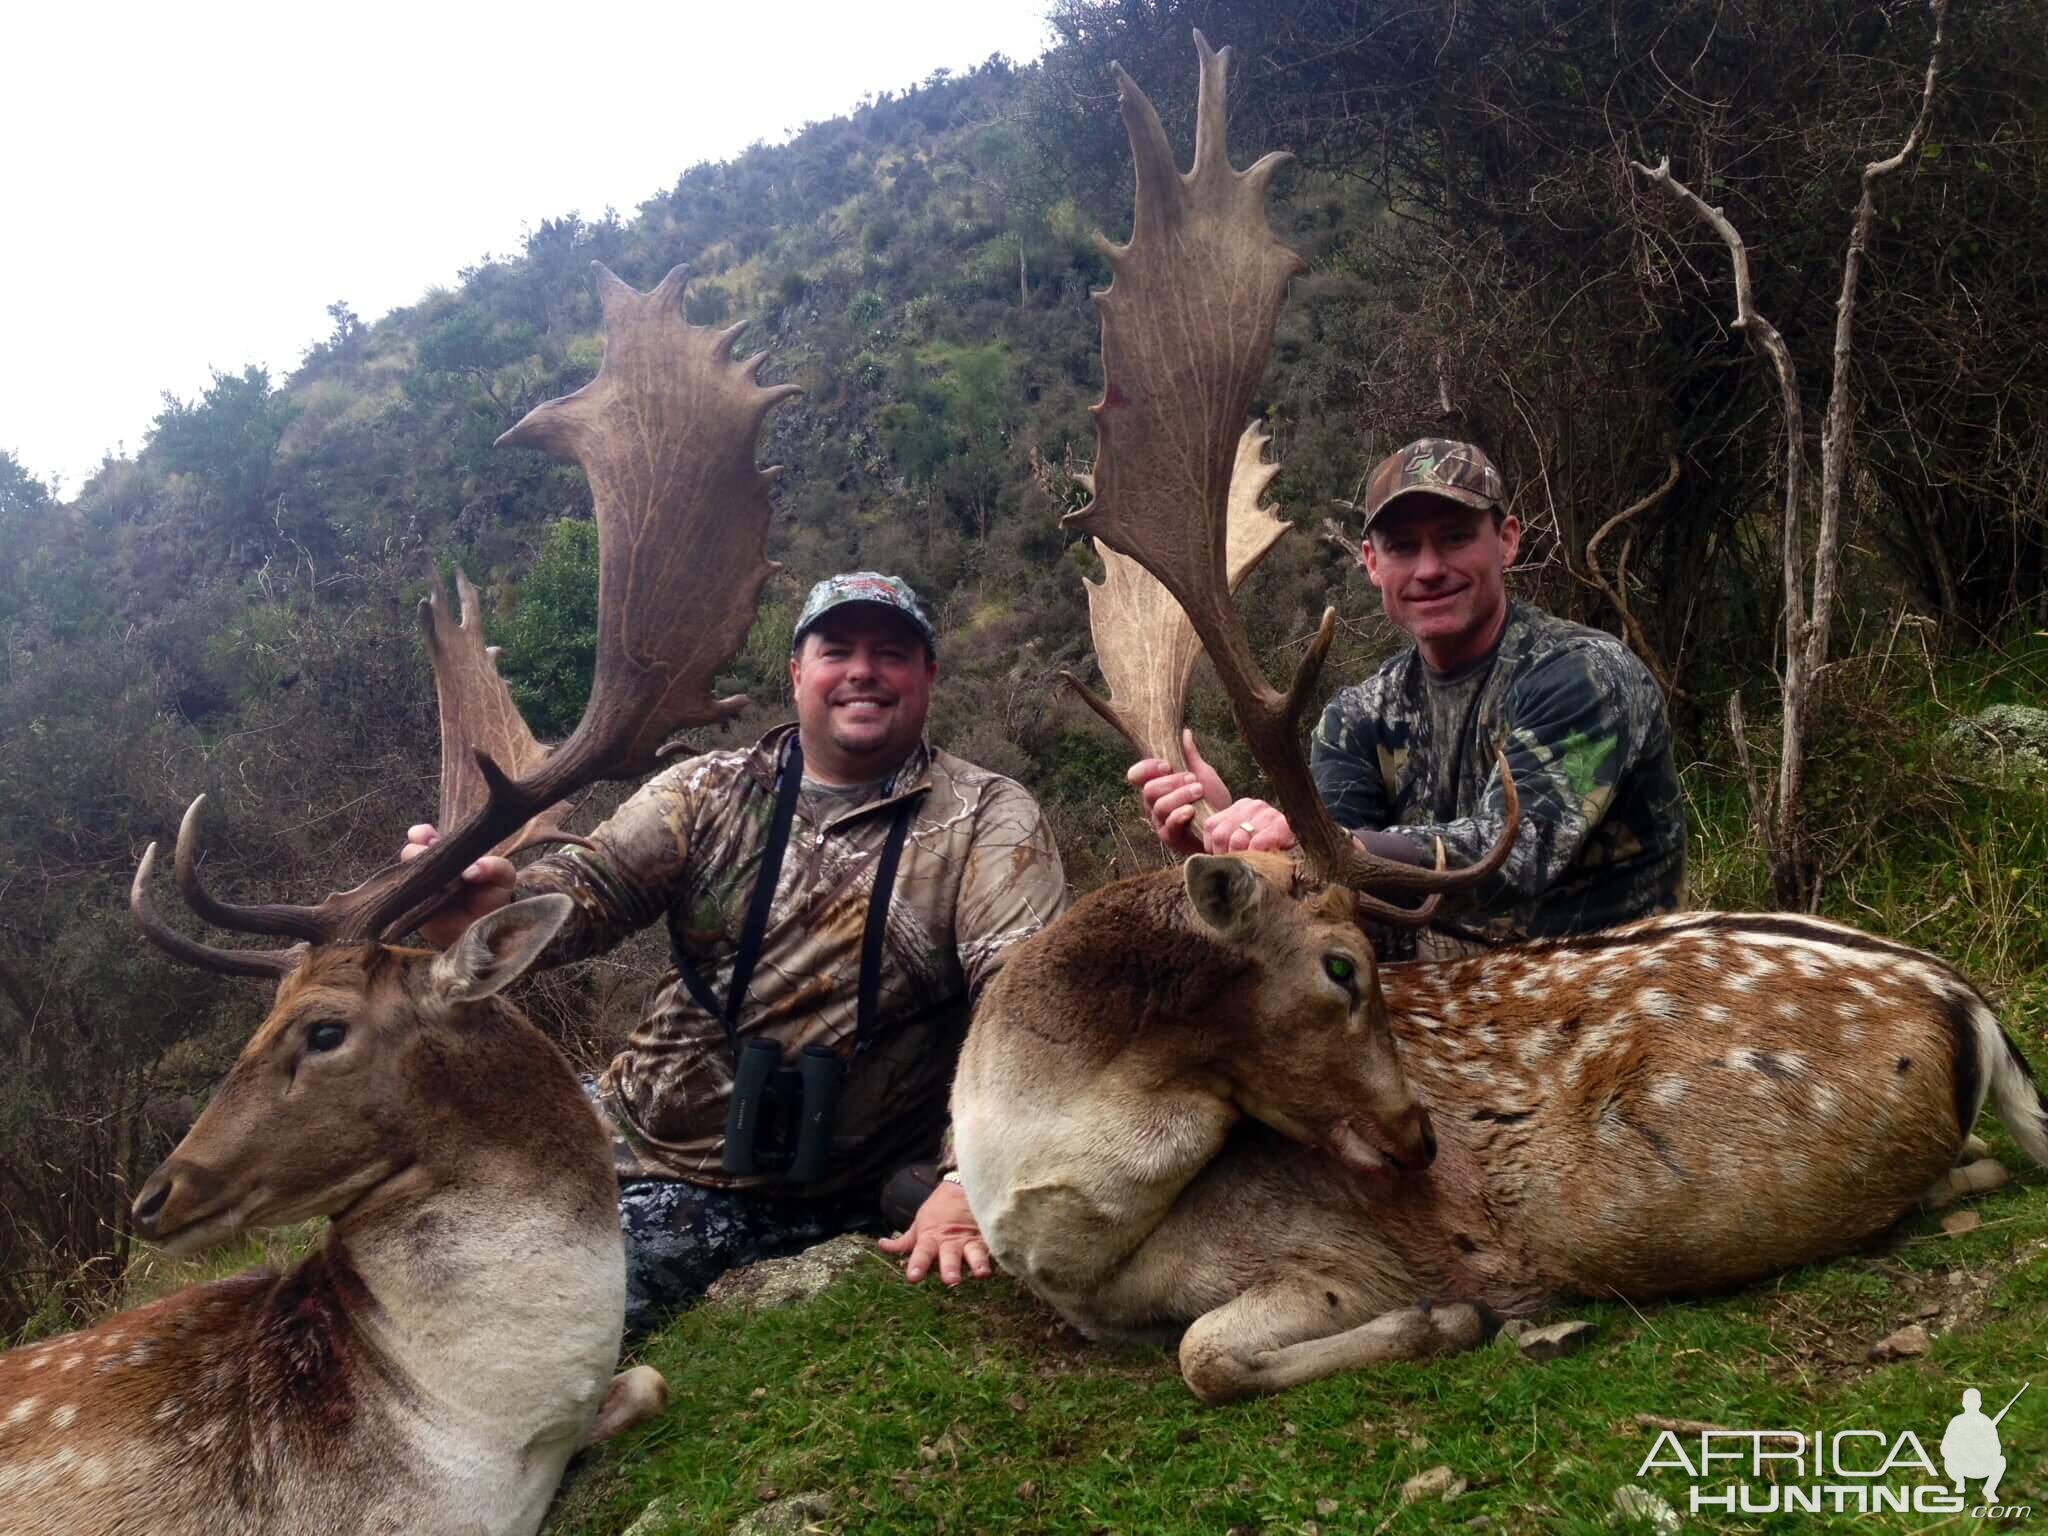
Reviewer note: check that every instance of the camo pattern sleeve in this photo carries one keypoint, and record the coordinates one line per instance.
(1349, 755)
(635, 868)
(1583, 726)
(1013, 886)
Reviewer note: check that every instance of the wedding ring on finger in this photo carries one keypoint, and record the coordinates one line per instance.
(1246, 826)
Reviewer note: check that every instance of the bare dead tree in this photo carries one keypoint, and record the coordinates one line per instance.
(1794, 867)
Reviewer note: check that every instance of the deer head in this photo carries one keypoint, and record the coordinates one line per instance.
(1306, 1046)
(1187, 323)
(352, 1081)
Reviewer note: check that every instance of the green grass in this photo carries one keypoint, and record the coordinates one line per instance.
(920, 1409)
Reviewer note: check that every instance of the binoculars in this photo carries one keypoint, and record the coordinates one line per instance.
(780, 1118)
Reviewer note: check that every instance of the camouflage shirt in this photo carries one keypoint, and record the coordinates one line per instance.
(1602, 839)
(978, 873)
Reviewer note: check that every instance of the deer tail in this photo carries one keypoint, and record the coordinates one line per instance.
(2007, 1083)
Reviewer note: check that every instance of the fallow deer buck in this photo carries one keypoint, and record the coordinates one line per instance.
(1194, 1105)
(434, 1366)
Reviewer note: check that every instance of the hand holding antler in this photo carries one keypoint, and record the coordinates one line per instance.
(1176, 799)
(487, 885)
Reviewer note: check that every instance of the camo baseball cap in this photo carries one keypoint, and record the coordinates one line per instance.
(1437, 466)
(864, 587)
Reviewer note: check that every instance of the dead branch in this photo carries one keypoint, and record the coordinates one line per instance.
(1617, 591)
(1834, 432)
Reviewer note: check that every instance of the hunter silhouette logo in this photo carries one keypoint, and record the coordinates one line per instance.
(1970, 1448)
(1857, 1470)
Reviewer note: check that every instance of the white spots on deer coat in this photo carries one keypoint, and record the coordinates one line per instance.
(1532, 1048)
(72, 1361)
(21, 1412)
(1655, 1003)
(1788, 1008)
(1668, 1089)
(1826, 1102)
(61, 1417)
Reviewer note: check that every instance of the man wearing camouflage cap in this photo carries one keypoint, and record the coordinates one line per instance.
(1407, 757)
(836, 896)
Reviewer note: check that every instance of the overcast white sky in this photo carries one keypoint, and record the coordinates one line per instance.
(190, 185)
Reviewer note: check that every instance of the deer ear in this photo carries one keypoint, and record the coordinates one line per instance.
(1225, 894)
(497, 949)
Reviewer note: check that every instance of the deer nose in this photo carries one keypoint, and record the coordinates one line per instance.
(1418, 1141)
(149, 1205)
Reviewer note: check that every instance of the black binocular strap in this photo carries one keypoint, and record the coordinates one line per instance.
(877, 930)
(788, 784)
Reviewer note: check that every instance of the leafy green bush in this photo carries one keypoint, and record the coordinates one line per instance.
(550, 636)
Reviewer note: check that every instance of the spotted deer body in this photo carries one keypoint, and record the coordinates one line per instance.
(1220, 1144)
(433, 1366)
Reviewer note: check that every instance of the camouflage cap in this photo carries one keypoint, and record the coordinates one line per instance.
(864, 587)
(1435, 466)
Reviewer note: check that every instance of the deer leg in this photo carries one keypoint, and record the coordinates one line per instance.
(1275, 1337)
(635, 1396)
(1963, 1180)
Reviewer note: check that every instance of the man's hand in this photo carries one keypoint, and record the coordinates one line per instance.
(1170, 795)
(1241, 826)
(486, 886)
(1247, 826)
(943, 1229)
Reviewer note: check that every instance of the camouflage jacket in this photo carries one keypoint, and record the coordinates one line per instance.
(1602, 839)
(978, 873)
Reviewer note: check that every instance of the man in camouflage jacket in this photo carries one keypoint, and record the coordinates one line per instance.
(1408, 756)
(975, 872)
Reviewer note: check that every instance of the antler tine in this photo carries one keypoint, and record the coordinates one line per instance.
(1187, 323)
(272, 964)
(282, 921)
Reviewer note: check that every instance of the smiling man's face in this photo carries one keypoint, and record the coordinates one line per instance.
(863, 684)
(1440, 567)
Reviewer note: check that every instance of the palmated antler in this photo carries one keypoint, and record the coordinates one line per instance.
(1187, 322)
(666, 433)
(1144, 643)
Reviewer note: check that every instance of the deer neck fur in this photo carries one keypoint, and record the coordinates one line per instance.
(1078, 1129)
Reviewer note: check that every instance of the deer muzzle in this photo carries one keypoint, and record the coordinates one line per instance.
(1372, 1148)
(178, 1205)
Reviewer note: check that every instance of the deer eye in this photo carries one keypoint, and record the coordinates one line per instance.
(326, 1036)
(1341, 970)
